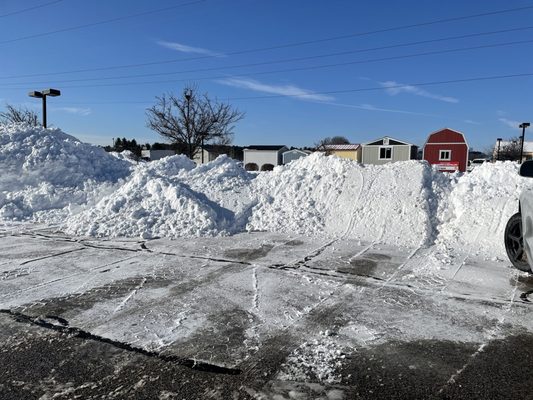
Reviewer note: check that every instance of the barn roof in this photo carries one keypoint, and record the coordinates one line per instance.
(443, 130)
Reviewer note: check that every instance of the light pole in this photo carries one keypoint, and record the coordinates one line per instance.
(499, 143)
(43, 95)
(523, 125)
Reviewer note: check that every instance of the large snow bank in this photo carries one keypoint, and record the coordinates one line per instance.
(319, 195)
(478, 207)
(50, 176)
(46, 169)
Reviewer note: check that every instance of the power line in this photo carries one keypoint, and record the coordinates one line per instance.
(369, 89)
(30, 8)
(107, 21)
(305, 68)
(478, 34)
(261, 49)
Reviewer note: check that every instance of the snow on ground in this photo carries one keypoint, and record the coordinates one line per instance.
(356, 257)
(51, 177)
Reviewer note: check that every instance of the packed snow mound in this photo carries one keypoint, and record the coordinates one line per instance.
(321, 195)
(224, 181)
(154, 202)
(125, 155)
(479, 206)
(45, 170)
(32, 155)
(170, 166)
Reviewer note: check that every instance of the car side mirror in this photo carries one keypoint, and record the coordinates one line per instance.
(526, 169)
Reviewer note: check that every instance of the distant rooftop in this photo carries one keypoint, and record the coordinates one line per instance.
(353, 146)
(265, 147)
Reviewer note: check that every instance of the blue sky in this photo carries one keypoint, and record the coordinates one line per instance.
(99, 105)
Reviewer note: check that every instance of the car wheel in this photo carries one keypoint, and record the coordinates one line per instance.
(514, 243)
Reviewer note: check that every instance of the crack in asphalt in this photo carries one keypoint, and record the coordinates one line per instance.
(51, 256)
(62, 326)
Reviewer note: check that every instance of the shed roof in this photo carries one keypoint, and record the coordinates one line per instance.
(392, 142)
(296, 151)
(265, 147)
(450, 136)
(353, 146)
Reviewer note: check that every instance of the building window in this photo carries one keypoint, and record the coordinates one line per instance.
(385, 153)
(445, 155)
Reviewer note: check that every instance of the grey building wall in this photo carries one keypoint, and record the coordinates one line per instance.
(154, 155)
(291, 155)
(399, 153)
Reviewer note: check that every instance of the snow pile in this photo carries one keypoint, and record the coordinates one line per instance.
(154, 202)
(52, 177)
(479, 206)
(319, 195)
(316, 360)
(223, 181)
(46, 169)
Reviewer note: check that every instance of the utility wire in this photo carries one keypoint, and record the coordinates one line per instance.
(261, 49)
(30, 8)
(368, 89)
(107, 21)
(306, 68)
(284, 60)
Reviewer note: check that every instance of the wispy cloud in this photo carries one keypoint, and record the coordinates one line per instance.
(370, 107)
(393, 88)
(471, 122)
(509, 122)
(73, 110)
(283, 90)
(189, 49)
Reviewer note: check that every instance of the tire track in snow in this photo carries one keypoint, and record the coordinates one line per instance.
(129, 296)
(43, 284)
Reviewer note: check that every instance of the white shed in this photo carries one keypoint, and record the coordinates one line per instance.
(263, 158)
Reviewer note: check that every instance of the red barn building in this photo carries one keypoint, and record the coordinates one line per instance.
(447, 149)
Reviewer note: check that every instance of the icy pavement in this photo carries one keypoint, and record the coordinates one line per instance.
(287, 316)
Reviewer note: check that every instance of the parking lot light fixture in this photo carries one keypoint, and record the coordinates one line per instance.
(523, 125)
(42, 95)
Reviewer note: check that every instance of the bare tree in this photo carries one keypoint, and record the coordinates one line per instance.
(193, 119)
(14, 115)
(323, 144)
(511, 149)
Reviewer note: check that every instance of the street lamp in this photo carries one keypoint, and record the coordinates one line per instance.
(523, 125)
(43, 95)
(499, 143)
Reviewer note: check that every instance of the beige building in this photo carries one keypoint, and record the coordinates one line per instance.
(386, 150)
(350, 151)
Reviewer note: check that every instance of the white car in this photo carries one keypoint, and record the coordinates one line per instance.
(475, 162)
(519, 230)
